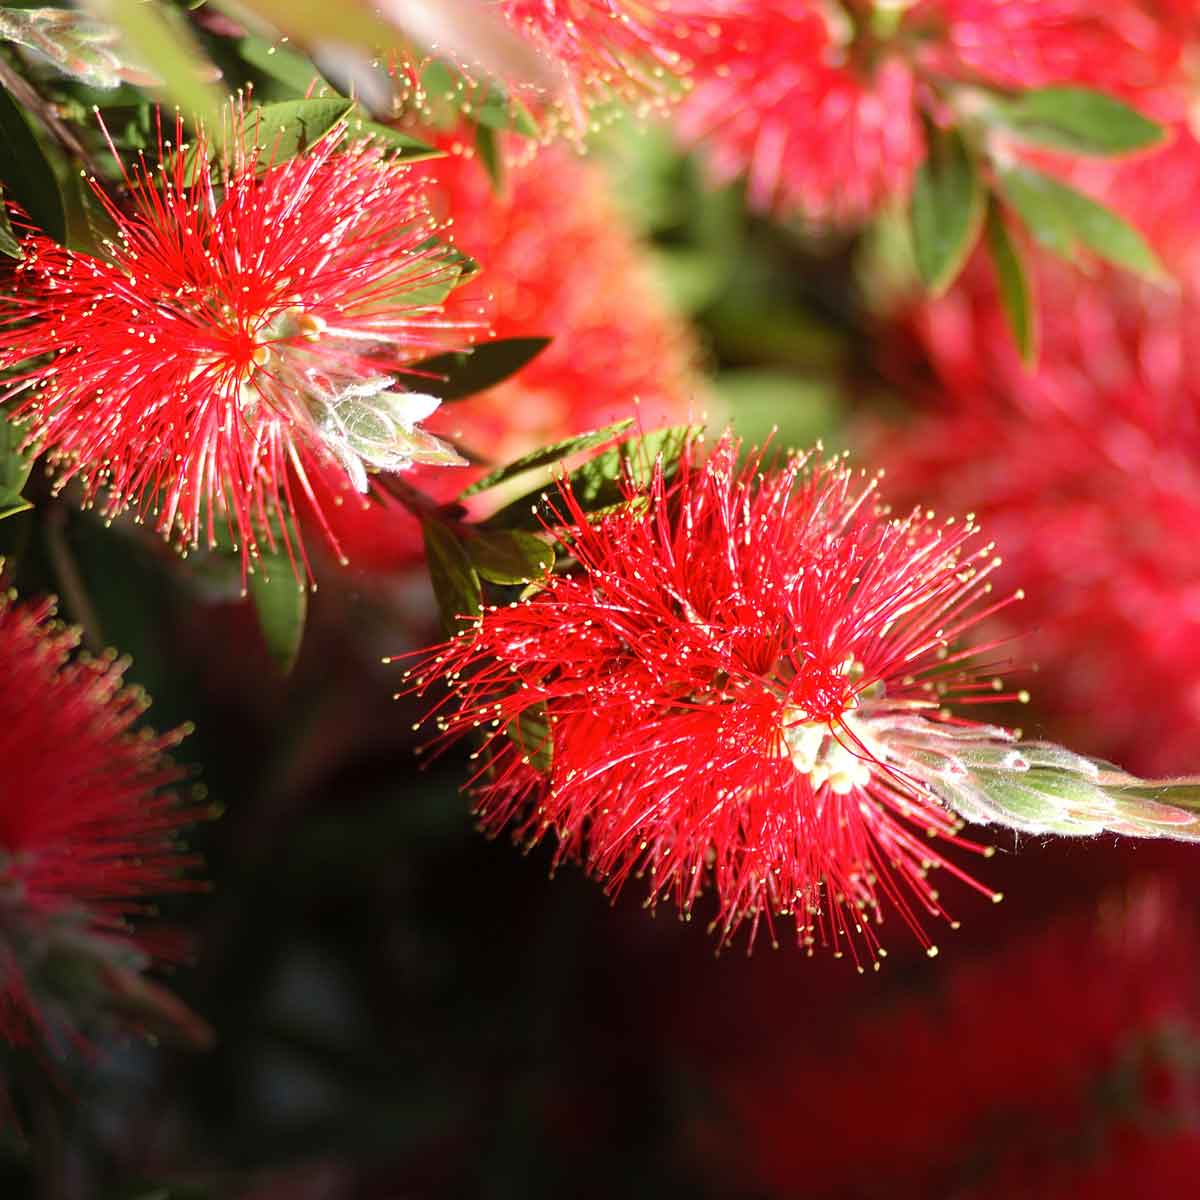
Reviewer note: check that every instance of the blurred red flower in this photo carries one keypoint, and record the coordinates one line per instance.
(236, 327)
(1087, 470)
(821, 105)
(1065, 1066)
(733, 690)
(88, 826)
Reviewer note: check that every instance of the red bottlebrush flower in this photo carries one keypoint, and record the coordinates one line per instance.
(237, 329)
(559, 261)
(733, 688)
(1053, 1069)
(1086, 471)
(775, 97)
(88, 829)
(820, 105)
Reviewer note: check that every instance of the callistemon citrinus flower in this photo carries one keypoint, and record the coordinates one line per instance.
(820, 105)
(88, 826)
(1087, 471)
(238, 325)
(742, 685)
(1036, 1091)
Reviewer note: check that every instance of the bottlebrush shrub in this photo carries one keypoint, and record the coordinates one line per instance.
(89, 830)
(1087, 471)
(835, 111)
(250, 313)
(732, 689)
(1065, 1065)
(559, 262)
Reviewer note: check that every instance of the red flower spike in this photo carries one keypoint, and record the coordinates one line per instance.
(1111, 410)
(716, 686)
(88, 829)
(237, 328)
(820, 105)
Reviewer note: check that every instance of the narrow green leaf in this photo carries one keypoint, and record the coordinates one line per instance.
(1014, 283)
(1080, 120)
(26, 174)
(455, 583)
(487, 147)
(531, 732)
(947, 210)
(510, 557)
(292, 126)
(281, 604)
(159, 36)
(9, 245)
(403, 146)
(15, 465)
(503, 114)
(545, 456)
(467, 372)
(281, 63)
(1063, 219)
(597, 484)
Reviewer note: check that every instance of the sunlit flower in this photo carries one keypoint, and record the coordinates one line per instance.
(741, 686)
(88, 827)
(240, 325)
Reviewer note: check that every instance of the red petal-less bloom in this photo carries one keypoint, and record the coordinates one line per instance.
(776, 97)
(88, 831)
(821, 108)
(732, 691)
(1087, 470)
(559, 261)
(236, 327)
(1059, 1068)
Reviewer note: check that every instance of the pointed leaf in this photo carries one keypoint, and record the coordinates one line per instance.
(281, 604)
(1063, 219)
(488, 148)
(509, 557)
(9, 246)
(281, 63)
(455, 583)
(15, 465)
(466, 372)
(1014, 284)
(292, 126)
(545, 456)
(947, 210)
(1080, 120)
(402, 146)
(26, 174)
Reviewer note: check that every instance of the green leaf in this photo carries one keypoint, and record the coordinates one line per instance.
(159, 36)
(9, 245)
(1014, 284)
(510, 557)
(545, 456)
(531, 732)
(403, 146)
(455, 583)
(292, 126)
(15, 465)
(26, 174)
(281, 63)
(488, 149)
(281, 603)
(502, 113)
(597, 485)
(1063, 219)
(466, 372)
(947, 210)
(1080, 120)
